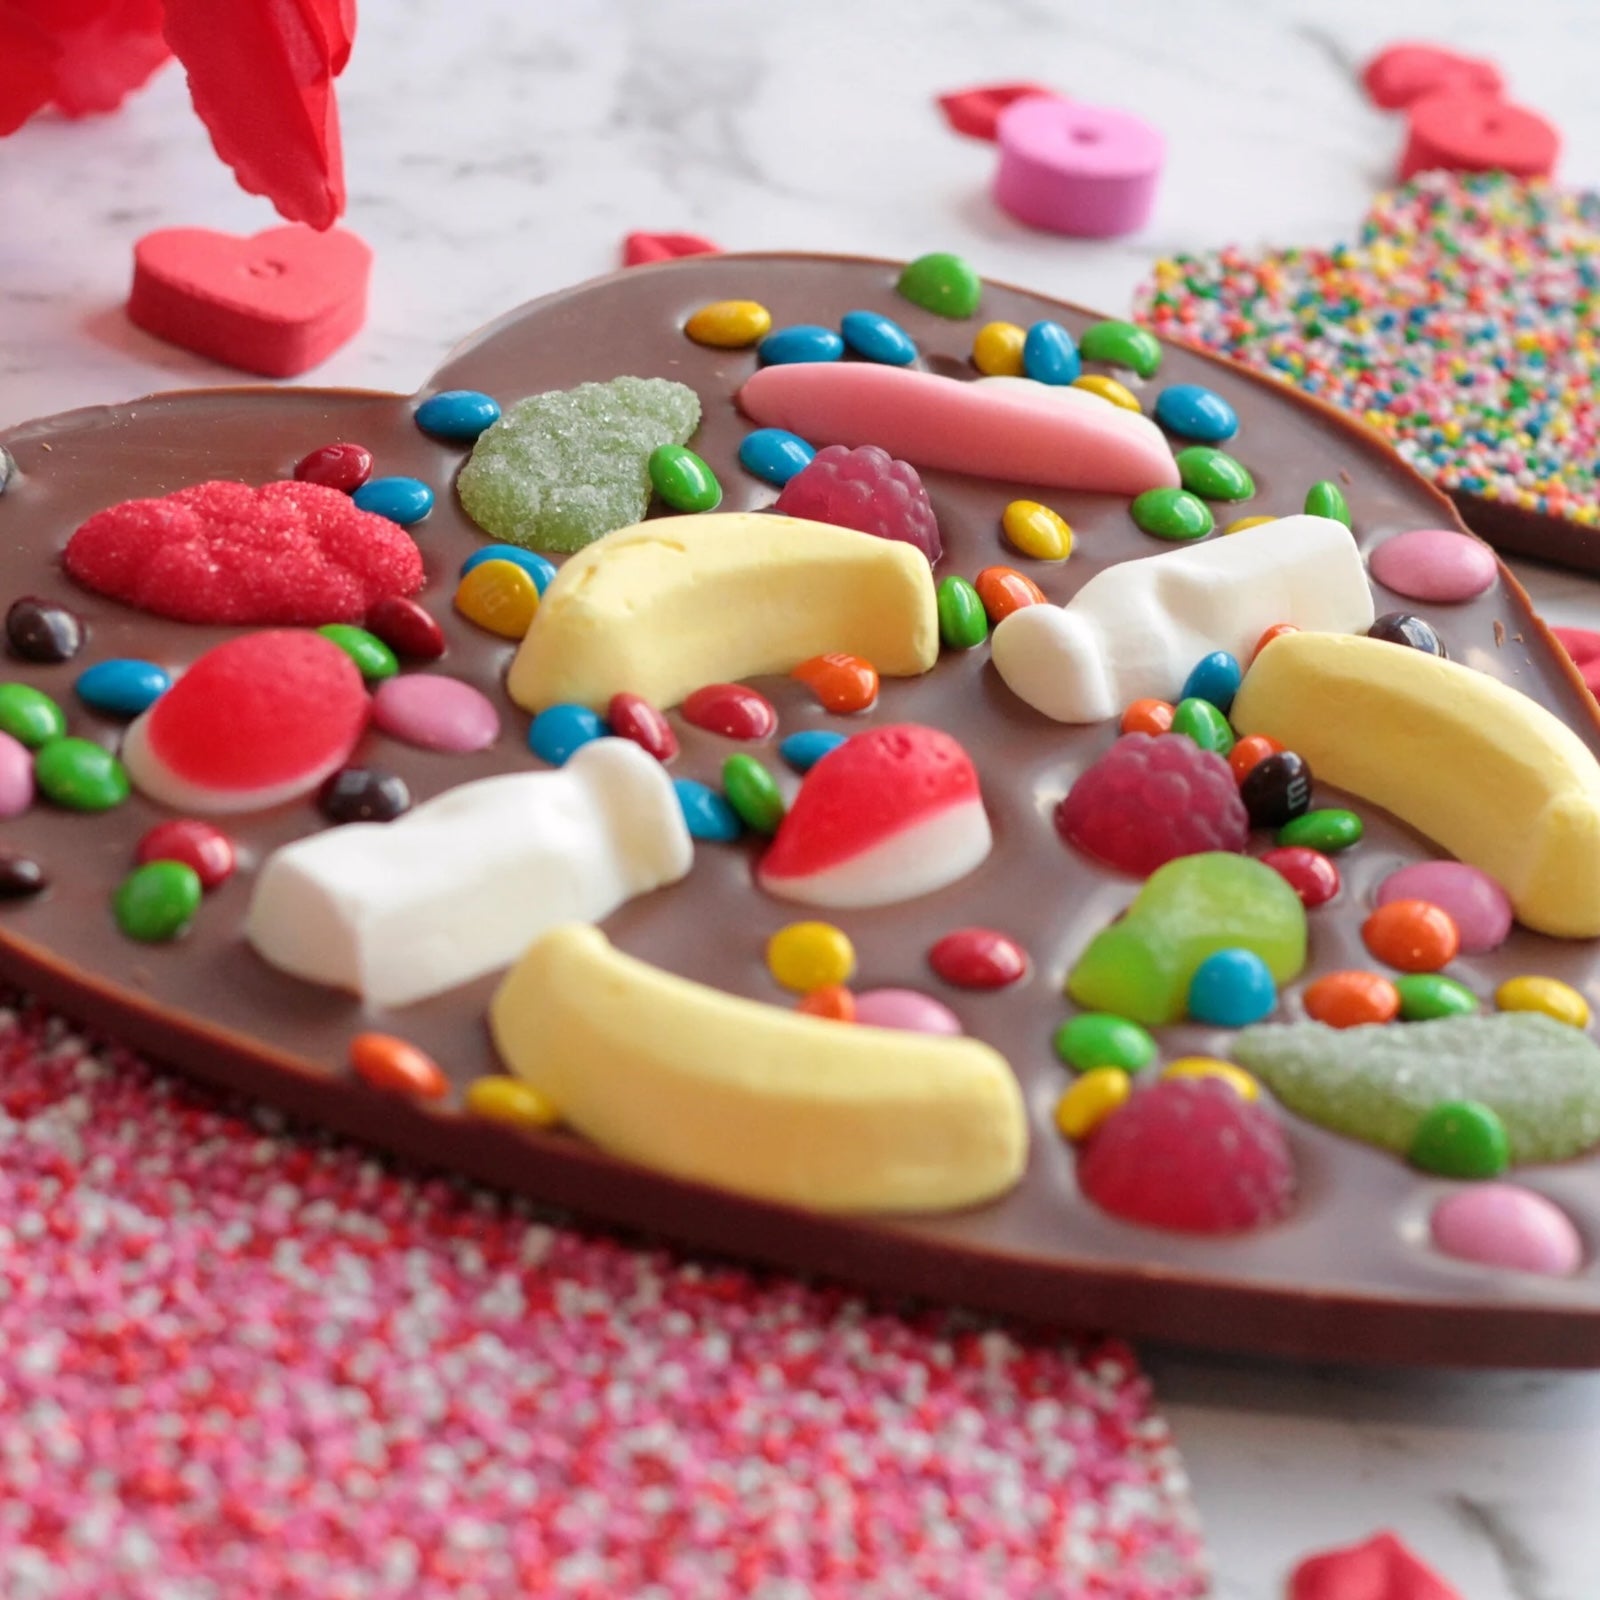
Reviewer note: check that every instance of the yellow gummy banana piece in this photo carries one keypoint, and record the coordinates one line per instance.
(775, 1104)
(664, 607)
(1481, 769)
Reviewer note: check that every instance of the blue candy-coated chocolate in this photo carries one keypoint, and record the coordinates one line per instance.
(1049, 354)
(537, 568)
(1232, 989)
(1214, 678)
(1196, 412)
(775, 455)
(804, 341)
(122, 687)
(402, 500)
(804, 750)
(706, 814)
(559, 730)
(458, 415)
(875, 337)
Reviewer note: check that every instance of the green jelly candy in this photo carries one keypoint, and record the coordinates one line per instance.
(157, 901)
(1326, 499)
(1172, 514)
(942, 283)
(1427, 995)
(80, 775)
(1092, 1039)
(1201, 721)
(683, 480)
(1461, 1139)
(1328, 830)
(28, 716)
(1214, 474)
(962, 620)
(1122, 344)
(751, 791)
(1141, 966)
(374, 660)
(560, 470)
(1539, 1077)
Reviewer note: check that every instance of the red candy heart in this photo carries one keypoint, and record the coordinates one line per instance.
(288, 553)
(974, 112)
(1381, 1569)
(1469, 131)
(1583, 645)
(276, 303)
(641, 249)
(1404, 73)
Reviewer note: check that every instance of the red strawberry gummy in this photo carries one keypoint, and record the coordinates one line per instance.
(868, 490)
(1190, 1154)
(1150, 799)
(288, 553)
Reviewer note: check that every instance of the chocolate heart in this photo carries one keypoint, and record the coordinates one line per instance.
(1346, 1276)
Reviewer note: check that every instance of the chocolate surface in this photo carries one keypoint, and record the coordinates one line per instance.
(1348, 1276)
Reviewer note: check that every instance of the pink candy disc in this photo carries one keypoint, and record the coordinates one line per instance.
(436, 713)
(1477, 905)
(905, 1009)
(1088, 171)
(1434, 564)
(1505, 1225)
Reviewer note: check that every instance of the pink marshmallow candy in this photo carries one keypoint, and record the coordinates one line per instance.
(1087, 171)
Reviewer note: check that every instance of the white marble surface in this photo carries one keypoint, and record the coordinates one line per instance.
(498, 149)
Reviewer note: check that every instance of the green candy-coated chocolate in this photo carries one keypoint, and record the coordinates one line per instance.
(29, 716)
(1427, 995)
(963, 622)
(749, 788)
(1093, 1039)
(1329, 830)
(1461, 1139)
(1214, 474)
(1201, 721)
(1122, 344)
(683, 480)
(157, 901)
(1326, 499)
(374, 660)
(942, 283)
(80, 776)
(1172, 514)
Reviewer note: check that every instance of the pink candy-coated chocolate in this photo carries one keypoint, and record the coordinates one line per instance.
(1477, 904)
(1469, 131)
(1087, 171)
(436, 713)
(905, 1009)
(16, 776)
(979, 428)
(1505, 1225)
(1437, 564)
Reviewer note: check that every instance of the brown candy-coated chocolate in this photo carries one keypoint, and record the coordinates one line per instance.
(1349, 1276)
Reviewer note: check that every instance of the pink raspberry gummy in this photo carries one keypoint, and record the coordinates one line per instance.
(868, 490)
(1190, 1154)
(1150, 799)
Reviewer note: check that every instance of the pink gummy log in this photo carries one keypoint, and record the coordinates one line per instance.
(1088, 171)
(958, 427)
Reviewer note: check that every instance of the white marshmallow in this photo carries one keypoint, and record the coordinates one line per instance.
(1136, 629)
(461, 886)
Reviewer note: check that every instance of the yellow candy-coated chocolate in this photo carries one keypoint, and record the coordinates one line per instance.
(1037, 531)
(1119, 394)
(499, 596)
(502, 1099)
(997, 350)
(1090, 1100)
(1237, 1079)
(810, 955)
(1549, 995)
(1239, 524)
(729, 324)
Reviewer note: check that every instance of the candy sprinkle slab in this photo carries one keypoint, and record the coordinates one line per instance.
(1463, 325)
(247, 1363)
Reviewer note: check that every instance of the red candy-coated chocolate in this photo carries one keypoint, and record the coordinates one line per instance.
(842, 683)
(1381, 1568)
(731, 710)
(276, 303)
(406, 628)
(1311, 875)
(629, 716)
(1468, 131)
(640, 249)
(978, 958)
(196, 844)
(288, 552)
(974, 112)
(1405, 73)
(336, 466)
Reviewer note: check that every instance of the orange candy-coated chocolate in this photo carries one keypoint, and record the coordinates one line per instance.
(390, 1063)
(1413, 935)
(833, 1001)
(1004, 590)
(1276, 631)
(1249, 752)
(1147, 716)
(843, 683)
(1350, 999)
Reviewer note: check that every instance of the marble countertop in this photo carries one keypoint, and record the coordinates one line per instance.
(496, 150)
